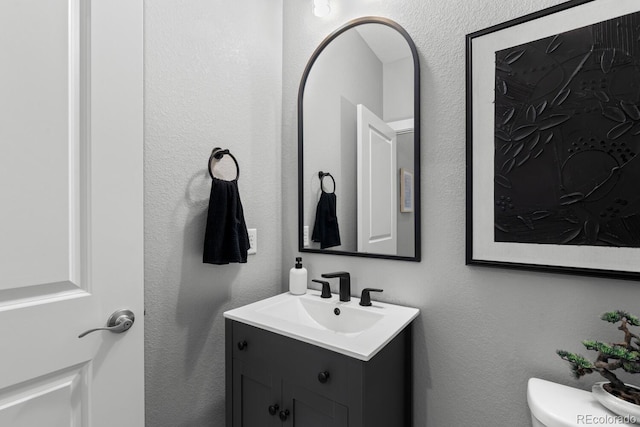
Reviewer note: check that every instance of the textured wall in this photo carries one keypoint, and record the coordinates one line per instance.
(482, 332)
(213, 74)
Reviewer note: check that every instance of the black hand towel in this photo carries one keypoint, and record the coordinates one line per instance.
(325, 229)
(226, 239)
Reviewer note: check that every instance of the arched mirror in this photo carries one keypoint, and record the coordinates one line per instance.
(359, 144)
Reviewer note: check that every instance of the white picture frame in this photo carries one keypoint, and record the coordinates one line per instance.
(482, 47)
(406, 191)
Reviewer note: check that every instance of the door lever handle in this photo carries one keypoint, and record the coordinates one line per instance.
(120, 321)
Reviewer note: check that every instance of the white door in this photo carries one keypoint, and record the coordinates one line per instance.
(377, 185)
(71, 235)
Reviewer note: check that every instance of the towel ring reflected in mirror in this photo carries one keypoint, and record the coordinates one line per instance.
(216, 155)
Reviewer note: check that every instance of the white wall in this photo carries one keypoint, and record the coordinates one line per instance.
(398, 90)
(398, 93)
(482, 332)
(406, 220)
(213, 73)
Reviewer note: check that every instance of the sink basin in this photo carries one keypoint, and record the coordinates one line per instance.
(316, 313)
(344, 327)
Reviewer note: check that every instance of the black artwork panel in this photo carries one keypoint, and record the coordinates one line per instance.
(567, 138)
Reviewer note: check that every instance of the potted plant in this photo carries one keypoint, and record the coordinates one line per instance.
(621, 398)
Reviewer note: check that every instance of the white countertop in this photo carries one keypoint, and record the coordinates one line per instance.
(285, 314)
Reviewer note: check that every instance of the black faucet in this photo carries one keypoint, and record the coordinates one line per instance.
(345, 284)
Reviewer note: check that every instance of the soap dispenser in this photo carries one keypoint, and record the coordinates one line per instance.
(298, 278)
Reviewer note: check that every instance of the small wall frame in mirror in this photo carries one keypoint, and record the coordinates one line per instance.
(359, 144)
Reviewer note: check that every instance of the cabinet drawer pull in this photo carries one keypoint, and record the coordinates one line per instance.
(242, 345)
(323, 377)
(284, 415)
(273, 409)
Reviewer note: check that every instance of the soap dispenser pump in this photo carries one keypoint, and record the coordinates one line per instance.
(298, 278)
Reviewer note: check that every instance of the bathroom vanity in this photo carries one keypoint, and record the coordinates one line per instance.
(282, 370)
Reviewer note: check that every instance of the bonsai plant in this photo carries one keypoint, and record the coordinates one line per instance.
(623, 355)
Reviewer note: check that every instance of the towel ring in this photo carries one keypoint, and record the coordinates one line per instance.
(217, 154)
(322, 175)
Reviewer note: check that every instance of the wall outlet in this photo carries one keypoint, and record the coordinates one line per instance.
(305, 236)
(253, 241)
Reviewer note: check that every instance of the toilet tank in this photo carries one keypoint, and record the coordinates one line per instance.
(557, 405)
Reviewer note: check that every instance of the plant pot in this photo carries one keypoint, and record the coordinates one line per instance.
(629, 411)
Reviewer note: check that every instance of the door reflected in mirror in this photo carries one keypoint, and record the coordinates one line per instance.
(358, 144)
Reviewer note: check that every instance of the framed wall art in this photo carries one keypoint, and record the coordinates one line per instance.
(406, 191)
(553, 141)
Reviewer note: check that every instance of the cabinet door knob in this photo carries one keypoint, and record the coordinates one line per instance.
(323, 377)
(242, 345)
(273, 409)
(284, 415)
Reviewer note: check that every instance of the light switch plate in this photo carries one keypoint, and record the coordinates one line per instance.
(305, 236)
(253, 241)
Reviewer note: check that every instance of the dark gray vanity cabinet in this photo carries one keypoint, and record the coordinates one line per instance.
(273, 380)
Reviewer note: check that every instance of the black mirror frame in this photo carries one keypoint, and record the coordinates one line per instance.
(416, 143)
